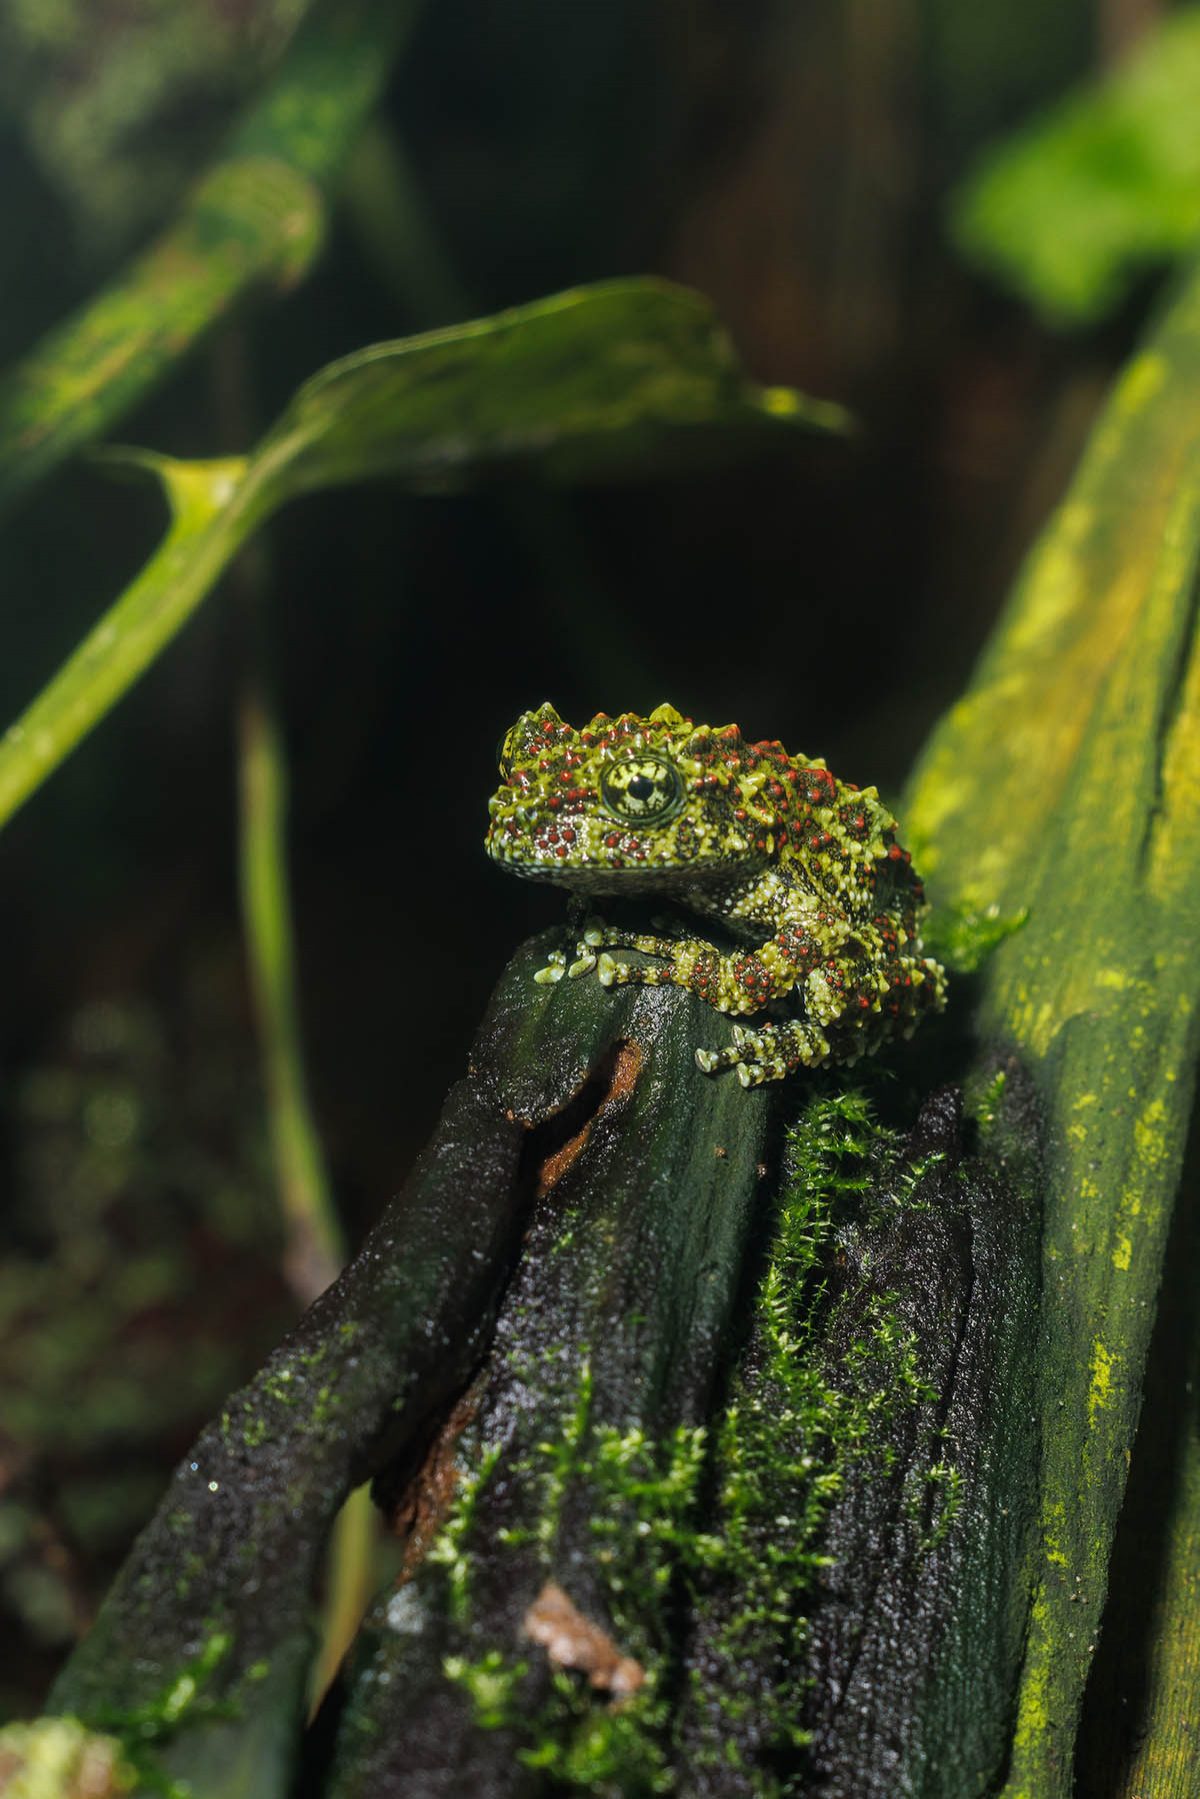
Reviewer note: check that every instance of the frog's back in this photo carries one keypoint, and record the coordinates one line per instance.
(845, 846)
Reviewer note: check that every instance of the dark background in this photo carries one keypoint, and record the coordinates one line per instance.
(793, 163)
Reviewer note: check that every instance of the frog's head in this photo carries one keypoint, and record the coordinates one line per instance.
(630, 802)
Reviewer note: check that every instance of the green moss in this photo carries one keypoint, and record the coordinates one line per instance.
(983, 1101)
(946, 1476)
(612, 1751)
(255, 1433)
(451, 1547)
(602, 1749)
(182, 1700)
(723, 1525)
(645, 1524)
(793, 1434)
(493, 1683)
(289, 1387)
(963, 936)
(643, 1498)
(328, 1401)
(193, 1569)
(179, 1701)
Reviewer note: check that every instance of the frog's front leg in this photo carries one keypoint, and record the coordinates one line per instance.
(739, 983)
(595, 937)
(800, 933)
(594, 934)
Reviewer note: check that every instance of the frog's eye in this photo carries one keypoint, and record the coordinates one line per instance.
(645, 790)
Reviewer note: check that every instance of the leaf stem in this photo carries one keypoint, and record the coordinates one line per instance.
(214, 511)
(315, 1249)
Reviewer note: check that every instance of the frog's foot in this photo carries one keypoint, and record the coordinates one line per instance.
(593, 931)
(769, 1054)
(612, 973)
(598, 937)
(555, 969)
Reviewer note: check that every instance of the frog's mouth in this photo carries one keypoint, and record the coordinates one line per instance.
(623, 881)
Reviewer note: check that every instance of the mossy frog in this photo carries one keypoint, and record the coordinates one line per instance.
(802, 871)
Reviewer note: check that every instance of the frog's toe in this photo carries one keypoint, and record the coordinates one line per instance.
(712, 1060)
(554, 970)
(584, 963)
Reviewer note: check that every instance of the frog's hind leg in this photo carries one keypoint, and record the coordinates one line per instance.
(769, 1054)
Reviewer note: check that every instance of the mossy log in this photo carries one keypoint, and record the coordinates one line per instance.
(633, 1356)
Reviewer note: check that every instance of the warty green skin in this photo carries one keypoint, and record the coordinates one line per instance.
(801, 868)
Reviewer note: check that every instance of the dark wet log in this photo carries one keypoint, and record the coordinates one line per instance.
(708, 1433)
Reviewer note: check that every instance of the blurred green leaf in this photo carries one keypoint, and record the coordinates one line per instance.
(256, 215)
(94, 85)
(615, 381)
(624, 379)
(1073, 208)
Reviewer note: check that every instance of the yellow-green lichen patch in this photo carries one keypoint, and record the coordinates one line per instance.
(1100, 1391)
(1148, 1131)
(1055, 1554)
(1056, 576)
(1141, 382)
(1033, 1712)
